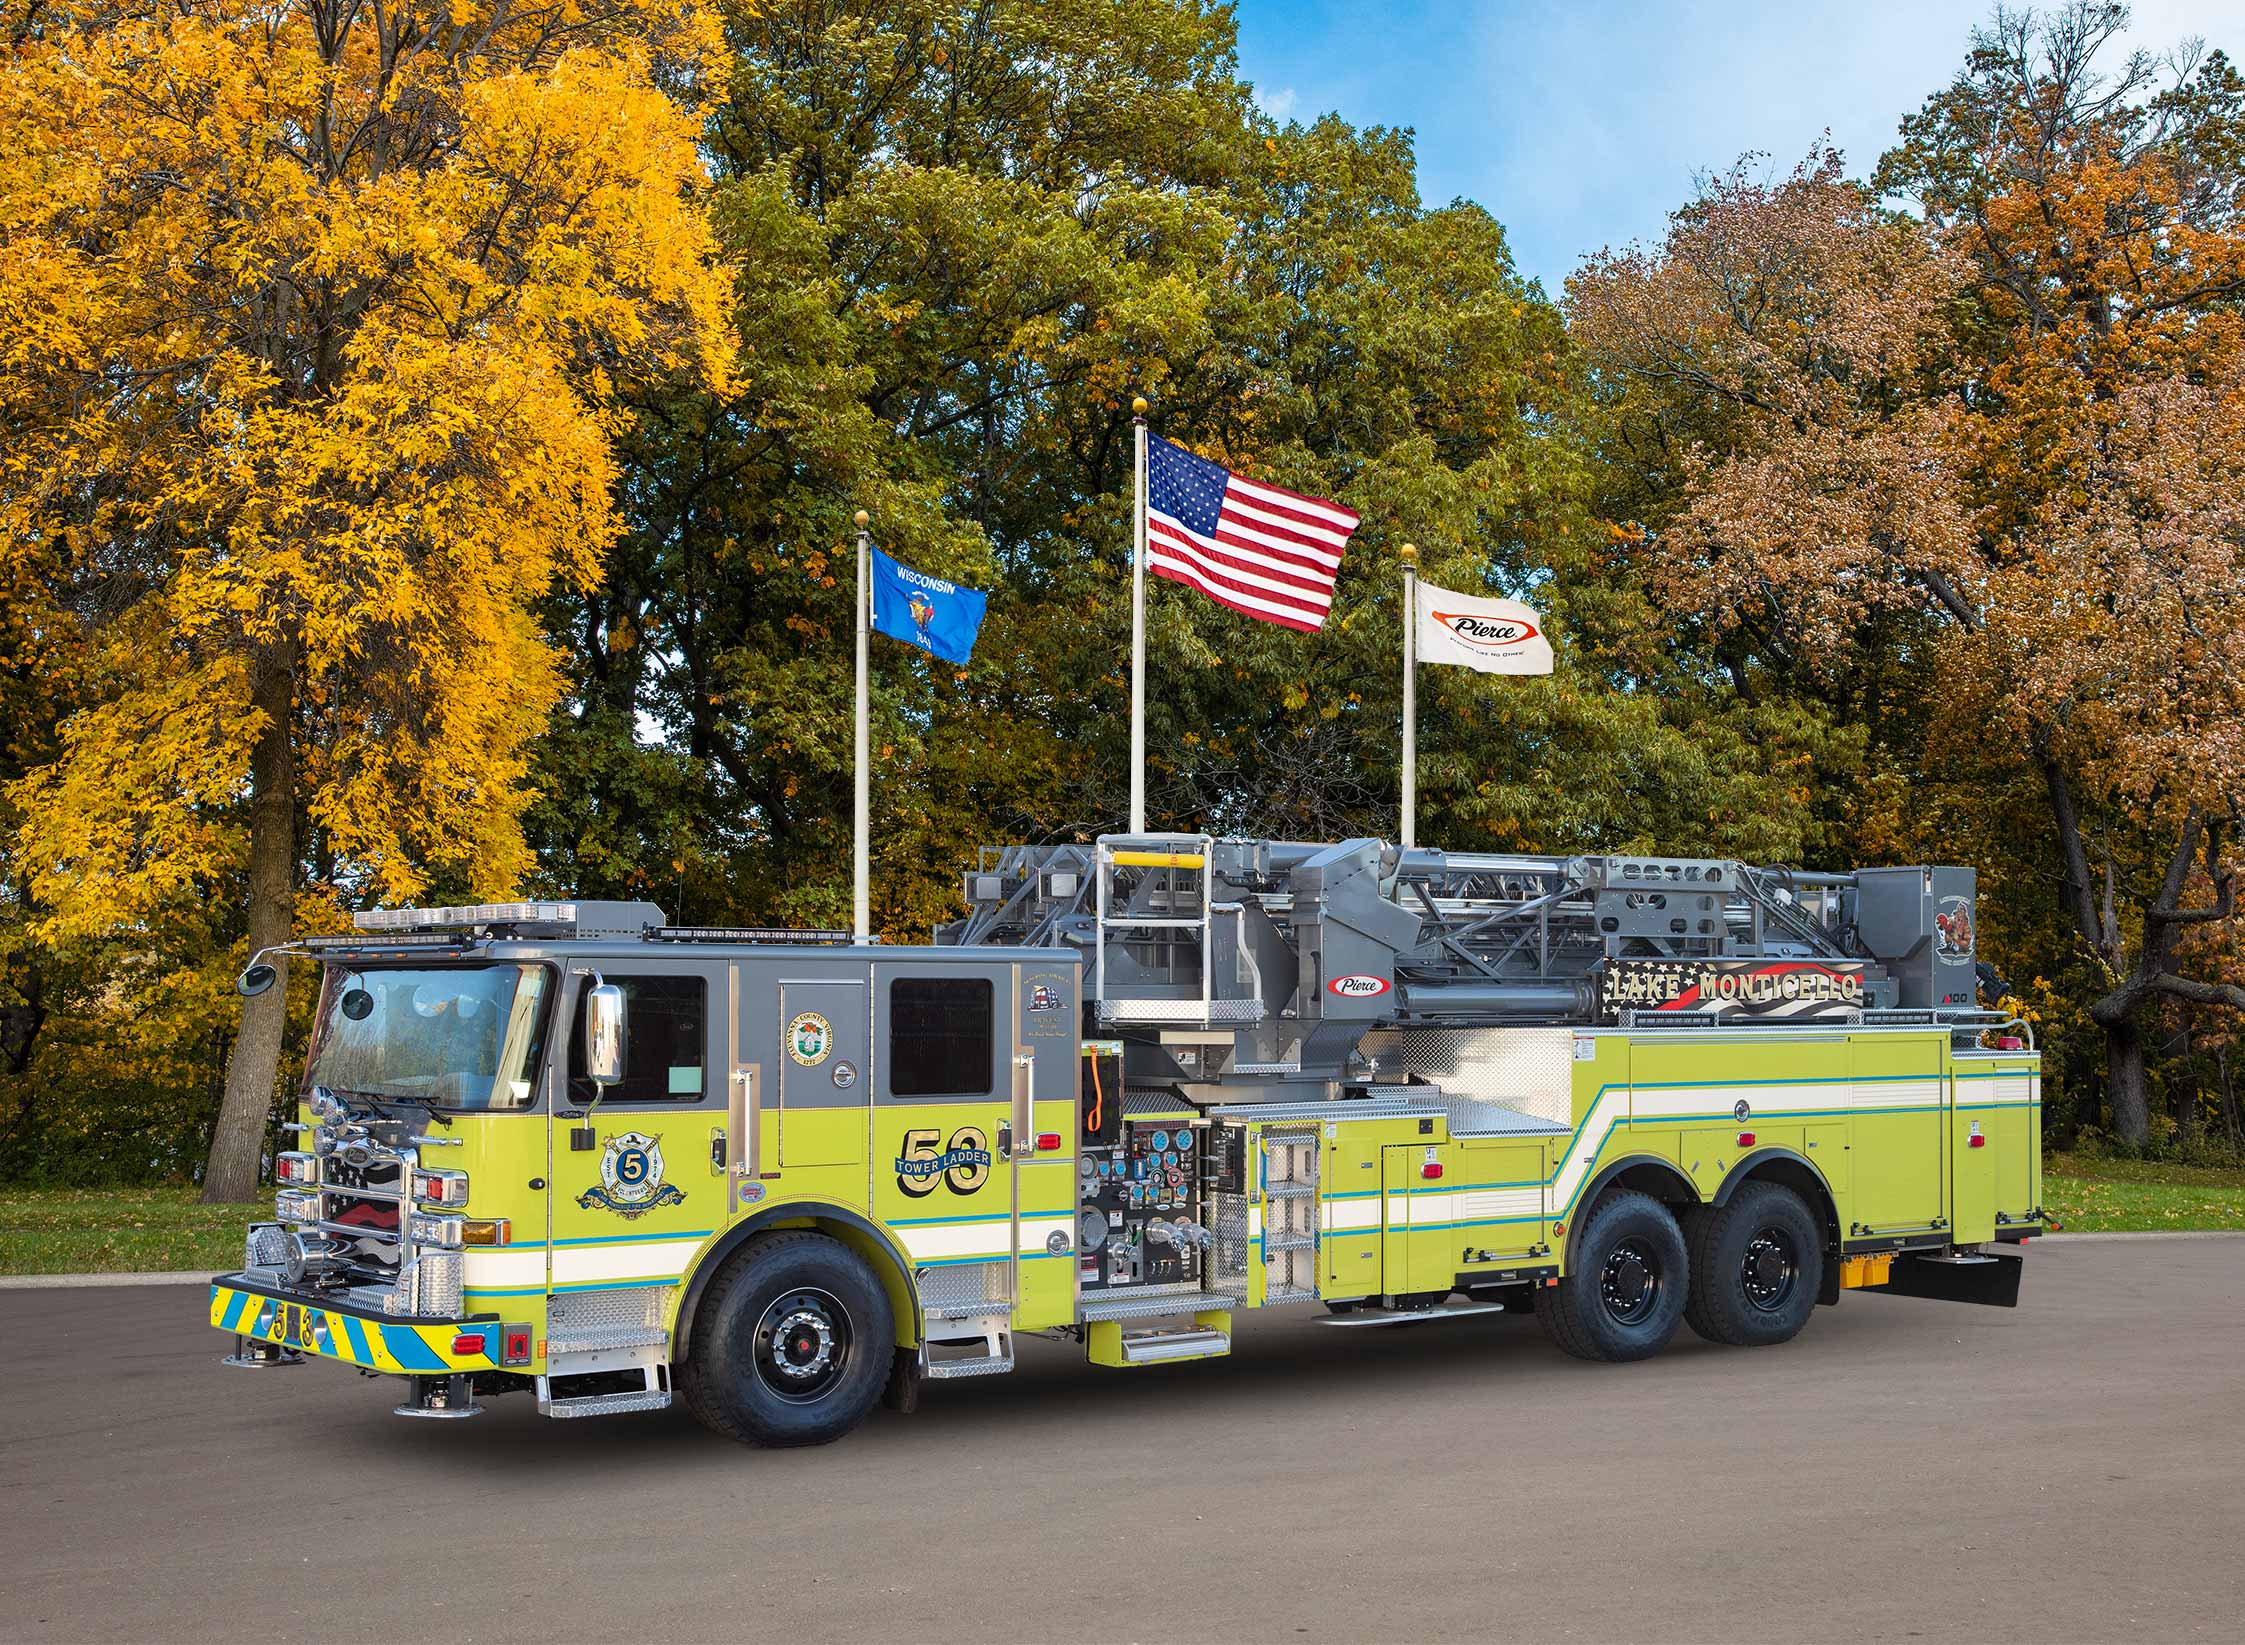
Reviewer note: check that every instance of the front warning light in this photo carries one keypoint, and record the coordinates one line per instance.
(297, 1168)
(441, 1187)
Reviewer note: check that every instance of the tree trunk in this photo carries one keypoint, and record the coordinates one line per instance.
(238, 1142)
(2124, 1082)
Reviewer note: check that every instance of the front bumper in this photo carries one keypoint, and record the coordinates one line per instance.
(311, 1324)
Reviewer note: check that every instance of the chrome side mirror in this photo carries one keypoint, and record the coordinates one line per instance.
(605, 1033)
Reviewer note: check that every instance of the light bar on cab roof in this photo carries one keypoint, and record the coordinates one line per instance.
(482, 913)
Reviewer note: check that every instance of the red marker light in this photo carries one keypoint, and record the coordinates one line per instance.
(1746, 1139)
(1976, 1140)
(1430, 1171)
(467, 1344)
(1048, 1141)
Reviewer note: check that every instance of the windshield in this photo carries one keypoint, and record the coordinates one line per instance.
(455, 1036)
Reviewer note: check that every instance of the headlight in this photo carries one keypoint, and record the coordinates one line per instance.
(441, 1187)
(292, 1206)
(445, 1233)
(304, 1168)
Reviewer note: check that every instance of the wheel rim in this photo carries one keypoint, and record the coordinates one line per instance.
(1769, 1270)
(1630, 1282)
(803, 1345)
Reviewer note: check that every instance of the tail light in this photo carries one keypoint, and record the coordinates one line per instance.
(441, 1187)
(303, 1169)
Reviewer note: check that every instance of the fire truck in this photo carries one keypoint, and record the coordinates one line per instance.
(1144, 1086)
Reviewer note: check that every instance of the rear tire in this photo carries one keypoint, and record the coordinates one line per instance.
(1757, 1266)
(793, 1346)
(1624, 1291)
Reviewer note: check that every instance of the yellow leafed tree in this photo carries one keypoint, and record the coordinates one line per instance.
(314, 321)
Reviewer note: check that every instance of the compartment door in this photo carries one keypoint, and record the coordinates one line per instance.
(823, 1024)
(1899, 1123)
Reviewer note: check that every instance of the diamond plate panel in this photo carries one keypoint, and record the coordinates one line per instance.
(969, 1287)
(591, 1312)
(1528, 1070)
(1227, 1220)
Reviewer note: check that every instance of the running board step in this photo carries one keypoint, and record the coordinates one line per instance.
(1209, 1336)
(652, 1397)
(604, 1405)
(970, 1365)
(1411, 1316)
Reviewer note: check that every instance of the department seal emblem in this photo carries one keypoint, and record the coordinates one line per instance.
(631, 1178)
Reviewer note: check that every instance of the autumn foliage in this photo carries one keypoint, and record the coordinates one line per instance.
(431, 432)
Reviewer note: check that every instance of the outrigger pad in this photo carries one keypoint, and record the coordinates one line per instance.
(1985, 1278)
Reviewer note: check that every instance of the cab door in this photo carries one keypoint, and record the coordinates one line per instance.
(638, 1176)
(945, 1124)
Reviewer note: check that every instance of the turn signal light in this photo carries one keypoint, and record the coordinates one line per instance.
(1746, 1139)
(484, 1231)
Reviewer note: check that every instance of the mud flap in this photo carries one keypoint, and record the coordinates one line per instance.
(1985, 1278)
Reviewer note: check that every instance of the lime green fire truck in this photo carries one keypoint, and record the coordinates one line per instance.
(1146, 1085)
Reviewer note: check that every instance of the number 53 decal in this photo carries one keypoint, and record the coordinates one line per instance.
(964, 1162)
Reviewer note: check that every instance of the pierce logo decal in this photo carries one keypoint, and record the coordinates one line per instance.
(1358, 986)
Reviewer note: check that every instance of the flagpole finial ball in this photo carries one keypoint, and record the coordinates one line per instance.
(1138, 405)
(1409, 553)
(863, 519)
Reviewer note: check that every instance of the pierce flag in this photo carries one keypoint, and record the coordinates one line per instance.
(939, 617)
(1494, 636)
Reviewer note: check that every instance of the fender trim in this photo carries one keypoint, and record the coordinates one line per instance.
(1747, 1166)
(1579, 1212)
(741, 1233)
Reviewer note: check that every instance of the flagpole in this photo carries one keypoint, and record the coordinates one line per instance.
(861, 824)
(1410, 557)
(1138, 624)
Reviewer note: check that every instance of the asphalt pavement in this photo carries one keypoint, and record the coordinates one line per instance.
(2069, 1470)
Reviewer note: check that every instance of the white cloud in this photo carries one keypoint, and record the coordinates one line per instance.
(1279, 104)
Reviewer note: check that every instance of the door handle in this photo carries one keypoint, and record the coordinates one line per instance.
(717, 1150)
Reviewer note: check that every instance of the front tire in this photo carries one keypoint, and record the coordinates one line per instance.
(1757, 1266)
(794, 1345)
(1625, 1290)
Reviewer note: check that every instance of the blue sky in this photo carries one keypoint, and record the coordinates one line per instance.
(1581, 126)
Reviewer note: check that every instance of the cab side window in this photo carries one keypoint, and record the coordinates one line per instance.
(942, 1039)
(666, 1042)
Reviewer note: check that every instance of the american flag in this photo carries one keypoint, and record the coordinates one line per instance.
(1257, 548)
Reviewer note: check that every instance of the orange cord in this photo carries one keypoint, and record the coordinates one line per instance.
(1098, 1099)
